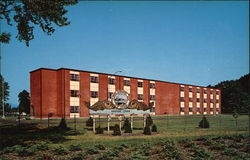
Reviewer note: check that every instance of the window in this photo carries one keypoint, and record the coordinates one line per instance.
(182, 110)
(205, 109)
(217, 92)
(205, 100)
(93, 79)
(198, 110)
(140, 84)
(152, 97)
(140, 97)
(94, 94)
(110, 94)
(211, 92)
(74, 109)
(211, 101)
(190, 109)
(152, 85)
(74, 93)
(217, 109)
(190, 100)
(74, 77)
(111, 81)
(190, 89)
(182, 88)
(205, 91)
(126, 83)
(217, 101)
(198, 90)
(198, 99)
(211, 109)
(182, 99)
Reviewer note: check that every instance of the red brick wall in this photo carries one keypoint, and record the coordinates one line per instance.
(35, 92)
(119, 82)
(146, 91)
(103, 87)
(84, 92)
(67, 93)
(167, 98)
(133, 88)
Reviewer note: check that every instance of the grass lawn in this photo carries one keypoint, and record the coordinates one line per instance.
(176, 128)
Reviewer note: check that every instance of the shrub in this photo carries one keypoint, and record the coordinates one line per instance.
(187, 143)
(3, 157)
(92, 151)
(99, 130)
(218, 146)
(78, 156)
(100, 147)
(109, 155)
(154, 128)
(201, 153)
(117, 131)
(60, 150)
(41, 146)
(147, 130)
(89, 122)
(43, 157)
(75, 147)
(127, 126)
(170, 150)
(204, 123)
(149, 121)
(230, 152)
(63, 124)
(23, 151)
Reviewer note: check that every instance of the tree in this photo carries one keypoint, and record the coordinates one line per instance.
(127, 126)
(147, 130)
(204, 123)
(24, 102)
(117, 131)
(154, 128)
(149, 121)
(4, 88)
(29, 13)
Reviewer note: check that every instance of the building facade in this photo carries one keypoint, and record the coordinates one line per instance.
(64, 93)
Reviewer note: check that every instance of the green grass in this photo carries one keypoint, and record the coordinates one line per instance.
(173, 127)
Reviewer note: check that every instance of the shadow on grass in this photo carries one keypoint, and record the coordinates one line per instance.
(30, 133)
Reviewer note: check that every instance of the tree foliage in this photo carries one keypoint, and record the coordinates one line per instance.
(4, 88)
(117, 131)
(235, 95)
(89, 122)
(149, 121)
(204, 123)
(30, 13)
(127, 126)
(24, 102)
(147, 130)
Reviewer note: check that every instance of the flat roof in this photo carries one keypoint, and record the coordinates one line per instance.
(118, 75)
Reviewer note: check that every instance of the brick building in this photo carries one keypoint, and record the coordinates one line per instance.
(63, 92)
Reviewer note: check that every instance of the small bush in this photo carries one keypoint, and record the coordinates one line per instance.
(127, 126)
(149, 121)
(204, 123)
(147, 130)
(89, 122)
(41, 146)
(78, 156)
(3, 157)
(63, 124)
(75, 147)
(117, 131)
(187, 143)
(43, 157)
(60, 150)
(201, 153)
(218, 146)
(92, 151)
(230, 152)
(26, 151)
(99, 130)
(154, 128)
(109, 155)
(100, 147)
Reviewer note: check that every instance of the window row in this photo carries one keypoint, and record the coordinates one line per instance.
(198, 90)
(199, 109)
(74, 77)
(182, 99)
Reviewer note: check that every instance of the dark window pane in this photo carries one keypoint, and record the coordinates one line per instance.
(111, 81)
(140, 97)
(74, 93)
(198, 99)
(190, 100)
(74, 77)
(126, 83)
(182, 88)
(190, 89)
(140, 84)
(152, 85)
(190, 109)
(198, 90)
(93, 79)
(94, 94)
(152, 97)
(182, 109)
(74, 109)
(182, 99)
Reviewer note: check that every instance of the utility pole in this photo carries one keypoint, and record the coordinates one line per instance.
(3, 117)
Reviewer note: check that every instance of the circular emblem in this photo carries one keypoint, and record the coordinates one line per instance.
(120, 99)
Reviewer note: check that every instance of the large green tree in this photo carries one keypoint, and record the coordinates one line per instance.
(27, 14)
(24, 102)
(235, 95)
(4, 88)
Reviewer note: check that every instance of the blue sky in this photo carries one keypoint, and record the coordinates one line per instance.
(194, 42)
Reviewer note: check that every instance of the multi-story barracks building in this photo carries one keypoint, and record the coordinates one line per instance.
(64, 93)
